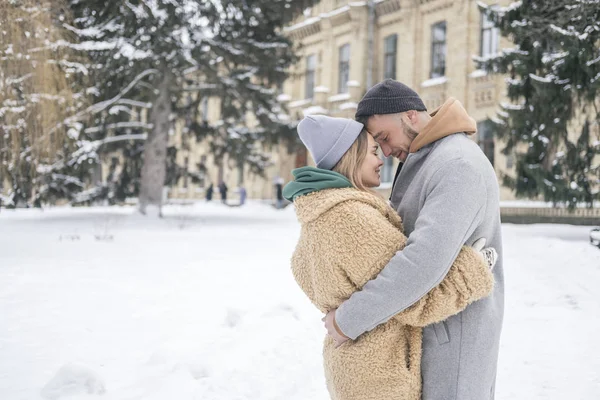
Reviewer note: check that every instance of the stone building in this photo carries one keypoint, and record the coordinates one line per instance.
(346, 46)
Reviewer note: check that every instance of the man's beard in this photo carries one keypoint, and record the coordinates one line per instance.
(410, 132)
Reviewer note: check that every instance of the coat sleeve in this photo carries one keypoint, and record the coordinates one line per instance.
(468, 280)
(353, 233)
(453, 208)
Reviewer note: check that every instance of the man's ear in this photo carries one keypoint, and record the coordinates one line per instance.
(413, 117)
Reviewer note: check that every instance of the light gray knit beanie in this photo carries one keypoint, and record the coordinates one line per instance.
(328, 138)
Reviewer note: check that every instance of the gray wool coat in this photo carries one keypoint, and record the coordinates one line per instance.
(447, 195)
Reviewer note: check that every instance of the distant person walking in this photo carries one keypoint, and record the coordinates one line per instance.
(243, 194)
(279, 192)
(223, 190)
(209, 192)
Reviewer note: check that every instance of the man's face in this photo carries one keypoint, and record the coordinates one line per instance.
(392, 133)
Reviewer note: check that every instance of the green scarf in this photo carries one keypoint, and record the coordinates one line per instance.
(310, 179)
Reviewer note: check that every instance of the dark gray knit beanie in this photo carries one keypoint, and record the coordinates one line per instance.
(389, 97)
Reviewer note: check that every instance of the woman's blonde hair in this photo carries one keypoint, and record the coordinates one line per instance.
(351, 162)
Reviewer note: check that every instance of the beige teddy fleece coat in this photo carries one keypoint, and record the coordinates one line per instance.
(347, 237)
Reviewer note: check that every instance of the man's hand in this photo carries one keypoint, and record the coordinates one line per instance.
(333, 330)
(489, 254)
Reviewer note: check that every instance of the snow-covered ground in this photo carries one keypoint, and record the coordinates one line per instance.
(201, 305)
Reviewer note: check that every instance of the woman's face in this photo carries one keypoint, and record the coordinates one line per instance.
(371, 166)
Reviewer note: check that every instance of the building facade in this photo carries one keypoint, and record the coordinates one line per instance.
(346, 46)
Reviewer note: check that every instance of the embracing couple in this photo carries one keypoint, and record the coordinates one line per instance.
(413, 300)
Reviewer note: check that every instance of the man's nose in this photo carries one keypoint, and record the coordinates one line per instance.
(386, 150)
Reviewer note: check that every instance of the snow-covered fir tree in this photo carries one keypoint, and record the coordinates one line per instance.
(552, 122)
(156, 60)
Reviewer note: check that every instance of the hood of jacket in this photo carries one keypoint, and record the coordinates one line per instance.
(448, 119)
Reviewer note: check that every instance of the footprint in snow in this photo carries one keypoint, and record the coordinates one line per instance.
(73, 379)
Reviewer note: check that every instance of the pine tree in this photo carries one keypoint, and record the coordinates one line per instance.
(553, 83)
(165, 56)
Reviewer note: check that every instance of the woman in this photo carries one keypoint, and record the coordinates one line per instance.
(348, 234)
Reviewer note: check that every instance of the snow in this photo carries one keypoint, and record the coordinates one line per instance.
(21, 79)
(478, 73)
(313, 20)
(525, 203)
(335, 12)
(74, 67)
(512, 6)
(299, 103)
(339, 97)
(535, 204)
(348, 105)
(434, 81)
(202, 305)
(551, 57)
(88, 148)
(307, 22)
(592, 62)
(73, 379)
(547, 79)
(118, 125)
(523, 23)
(91, 32)
(266, 45)
(314, 110)
(283, 98)
(322, 89)
(514, 107)
(570, 32)
(353, 84)
(7, 200)
(82, 46)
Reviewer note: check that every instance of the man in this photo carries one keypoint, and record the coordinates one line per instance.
(447, 195)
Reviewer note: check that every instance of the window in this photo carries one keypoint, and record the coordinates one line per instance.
(344, 68)
(389, 56)
(486, 139)
(204, 108)
(387, 170)
(438, 50)
(489, 37)
(311, 64)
